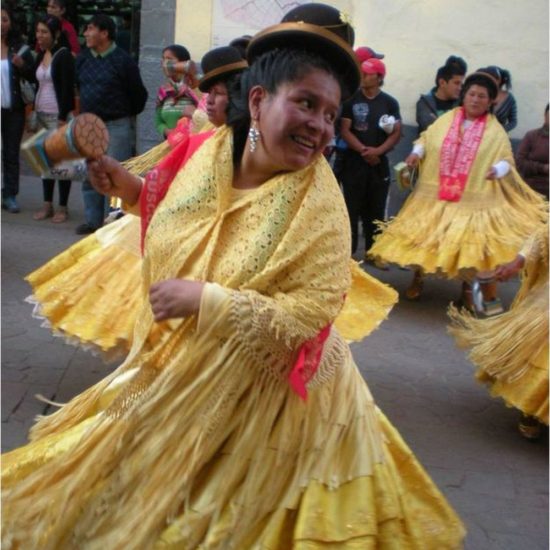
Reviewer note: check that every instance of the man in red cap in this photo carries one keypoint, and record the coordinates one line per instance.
(371, 127)
(363, 53)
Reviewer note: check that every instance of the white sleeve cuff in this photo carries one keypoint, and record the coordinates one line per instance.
(418, 150)
(501, 168)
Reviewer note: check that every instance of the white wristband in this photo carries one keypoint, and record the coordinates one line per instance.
(501, 168)
(418, 150)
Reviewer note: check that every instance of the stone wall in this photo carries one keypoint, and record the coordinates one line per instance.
(156, 32)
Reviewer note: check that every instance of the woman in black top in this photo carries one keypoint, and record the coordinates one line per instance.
(14, 67)
(54, 101)
(505, 107)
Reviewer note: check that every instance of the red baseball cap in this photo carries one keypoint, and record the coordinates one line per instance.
(363, 53)
(373, 66)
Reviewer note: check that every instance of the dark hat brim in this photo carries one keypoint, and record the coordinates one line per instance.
(221, 73)
(305, 36)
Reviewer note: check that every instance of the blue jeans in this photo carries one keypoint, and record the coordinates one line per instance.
(96, 205)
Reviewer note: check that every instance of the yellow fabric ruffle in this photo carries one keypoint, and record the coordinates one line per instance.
(368, 303)
(511, 350)
(484, 229)
(99, 278)
(395, 507)
(91, 293)
(346, 480)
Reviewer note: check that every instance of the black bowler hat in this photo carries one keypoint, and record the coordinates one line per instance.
(316, 27)
(484, 77)
(241, 43)
(219, 64)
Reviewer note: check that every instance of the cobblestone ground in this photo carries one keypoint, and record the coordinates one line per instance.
(467, 441)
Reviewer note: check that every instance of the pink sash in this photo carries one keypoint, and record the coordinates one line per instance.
(458, 153)
(158, 180)
(307, 363)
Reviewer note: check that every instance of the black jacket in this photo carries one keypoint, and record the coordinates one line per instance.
(63, 76)
(17, 73)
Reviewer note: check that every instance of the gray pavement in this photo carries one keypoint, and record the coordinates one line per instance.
(468, 442)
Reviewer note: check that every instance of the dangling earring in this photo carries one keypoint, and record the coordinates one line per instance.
(253, 136)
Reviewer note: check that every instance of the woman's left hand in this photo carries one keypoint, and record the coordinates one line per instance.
(491, 174)
(175, 298)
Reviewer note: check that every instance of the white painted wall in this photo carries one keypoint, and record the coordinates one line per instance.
(418, 35)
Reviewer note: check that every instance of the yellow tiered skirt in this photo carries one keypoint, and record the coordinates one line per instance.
(335, 476)
(91, 293)
(481, 231)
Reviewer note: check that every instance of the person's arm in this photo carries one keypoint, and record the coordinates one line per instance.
(160, 125)
(63, 73)
(25, 66)
(418, 151)
(135, 89)
(512, 119)
(109, 177)
(72, 38)
(347, 135)
(424, 114)
(526, 166)
(266, 324)
(390, 142)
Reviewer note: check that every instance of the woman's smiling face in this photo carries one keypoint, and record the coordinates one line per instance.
(296, 122)
(44, 37)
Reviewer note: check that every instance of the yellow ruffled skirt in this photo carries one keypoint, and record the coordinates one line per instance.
(91, 293)
(455, 239)
(511, 351)
(334, 474)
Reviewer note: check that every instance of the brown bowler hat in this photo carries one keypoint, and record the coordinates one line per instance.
(319, 28)
(219, 64)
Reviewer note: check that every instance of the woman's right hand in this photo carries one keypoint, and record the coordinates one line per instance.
(506, 271)
(18, 61)
(412, 160)
(101, 174)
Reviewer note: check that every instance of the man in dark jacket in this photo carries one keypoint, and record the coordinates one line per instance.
(444, 96)
(111, 87)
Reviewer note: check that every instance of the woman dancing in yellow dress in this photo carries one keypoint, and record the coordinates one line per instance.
(470, 210)
(511, 350)
(239, 419)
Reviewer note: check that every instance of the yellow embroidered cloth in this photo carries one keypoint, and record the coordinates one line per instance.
(197, 439)
(484, 229)
(91, 293)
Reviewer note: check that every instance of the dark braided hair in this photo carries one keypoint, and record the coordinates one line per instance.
(269, 70)
(181, 52)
